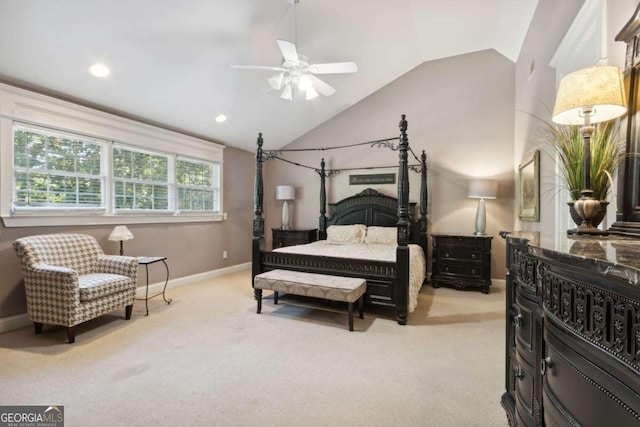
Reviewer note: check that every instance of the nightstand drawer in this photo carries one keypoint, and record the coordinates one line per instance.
(462, 269)
(290, 237)
(460, 254)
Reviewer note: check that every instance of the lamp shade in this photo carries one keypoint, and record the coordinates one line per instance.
(285, 192)
(121, 232)
(482, 189)
(600, 88)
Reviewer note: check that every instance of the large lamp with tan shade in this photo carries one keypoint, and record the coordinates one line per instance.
(585, 97)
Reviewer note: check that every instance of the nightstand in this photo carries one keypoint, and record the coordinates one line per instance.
(461, 261)
(293, 236)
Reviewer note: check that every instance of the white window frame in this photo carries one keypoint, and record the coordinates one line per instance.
(215, 188)
(19, 106)
(44, 210)
(168, 183)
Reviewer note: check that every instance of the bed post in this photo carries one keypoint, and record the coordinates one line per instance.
(322, 221)
(402, 251)
(258, 221)
(423, 196)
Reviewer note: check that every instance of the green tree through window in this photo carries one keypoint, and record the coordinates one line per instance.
(54, 170)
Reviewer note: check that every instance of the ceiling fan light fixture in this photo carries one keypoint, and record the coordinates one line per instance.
(311, 93)
(304, 82)
(287, 93)
(276, 81)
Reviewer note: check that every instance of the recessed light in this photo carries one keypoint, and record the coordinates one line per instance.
(99, 70)
(221, 118)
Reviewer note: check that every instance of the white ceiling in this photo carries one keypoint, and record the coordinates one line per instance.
(170, 59)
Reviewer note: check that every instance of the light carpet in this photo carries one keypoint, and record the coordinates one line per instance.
(208, 359)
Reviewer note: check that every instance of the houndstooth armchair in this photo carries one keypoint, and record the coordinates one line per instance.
(69, 280)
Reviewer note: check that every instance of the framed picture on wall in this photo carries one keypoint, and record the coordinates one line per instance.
(529, 188)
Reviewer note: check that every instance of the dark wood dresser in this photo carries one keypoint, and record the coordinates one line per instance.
(293, 236)
(461, 261)
(572, 331)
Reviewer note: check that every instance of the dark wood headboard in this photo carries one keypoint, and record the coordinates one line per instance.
(369, 207)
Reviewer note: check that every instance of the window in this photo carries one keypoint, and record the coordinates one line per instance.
(141, 180)
(56, 171)
(63, 164)
(198, 188)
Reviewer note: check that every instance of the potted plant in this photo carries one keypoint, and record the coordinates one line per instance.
(606, 153)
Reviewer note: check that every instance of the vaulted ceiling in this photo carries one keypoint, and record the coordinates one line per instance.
(170, 59)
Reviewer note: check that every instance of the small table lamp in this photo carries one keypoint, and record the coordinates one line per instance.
(482, 189)
(121, 233)
(285, 192)
(587, 96)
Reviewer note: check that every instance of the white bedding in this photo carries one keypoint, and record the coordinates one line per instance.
(377, 252)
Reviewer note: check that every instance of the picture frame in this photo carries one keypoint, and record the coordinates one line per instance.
(372, 179)
(529, 188)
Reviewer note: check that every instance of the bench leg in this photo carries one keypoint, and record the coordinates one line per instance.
(275, 297)
(361, 306)
(351, 316)
(257, 293)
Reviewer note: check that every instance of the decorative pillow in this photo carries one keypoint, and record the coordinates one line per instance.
(346, 234)
(381, 235)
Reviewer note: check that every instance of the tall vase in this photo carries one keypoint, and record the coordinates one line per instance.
(596, 220)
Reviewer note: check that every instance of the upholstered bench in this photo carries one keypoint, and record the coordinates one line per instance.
(334, 288)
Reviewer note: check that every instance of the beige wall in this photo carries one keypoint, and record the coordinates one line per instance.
(191, 248)
(460, 111)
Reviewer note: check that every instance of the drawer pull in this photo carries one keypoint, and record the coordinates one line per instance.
(446, 269)
(517, 320)
(517, 372)
(473, 256)
(446, 255)
(544, 365)
(473, 271)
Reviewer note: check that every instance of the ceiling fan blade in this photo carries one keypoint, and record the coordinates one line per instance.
(289, 51)
(333, 68)
(257, 67)
(321, 86)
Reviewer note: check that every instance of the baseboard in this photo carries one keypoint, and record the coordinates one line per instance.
(22, 320)
(14, 322)
(188, 280)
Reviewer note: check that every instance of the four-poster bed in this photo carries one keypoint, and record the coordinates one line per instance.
(390, 280)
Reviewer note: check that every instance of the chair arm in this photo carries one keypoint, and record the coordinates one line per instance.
(53, 294)
(116, 264)
(52, 276)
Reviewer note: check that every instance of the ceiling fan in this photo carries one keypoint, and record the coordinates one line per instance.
(296, 73)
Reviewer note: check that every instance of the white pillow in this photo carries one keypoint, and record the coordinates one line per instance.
(346, 234)
(381, 235)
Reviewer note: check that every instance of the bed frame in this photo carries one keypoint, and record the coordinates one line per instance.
(387, 282)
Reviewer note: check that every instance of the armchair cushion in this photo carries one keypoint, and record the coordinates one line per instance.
(98, 285)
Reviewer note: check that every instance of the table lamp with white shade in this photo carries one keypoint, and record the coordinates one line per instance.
(482, 189)
(121, 233)
(285, 193)
(585, 97)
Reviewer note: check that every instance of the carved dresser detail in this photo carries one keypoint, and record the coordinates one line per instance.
(573, 331)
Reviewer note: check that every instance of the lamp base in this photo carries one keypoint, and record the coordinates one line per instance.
(587, 208)
(285, 215)
(481, 218)
(591, 231)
